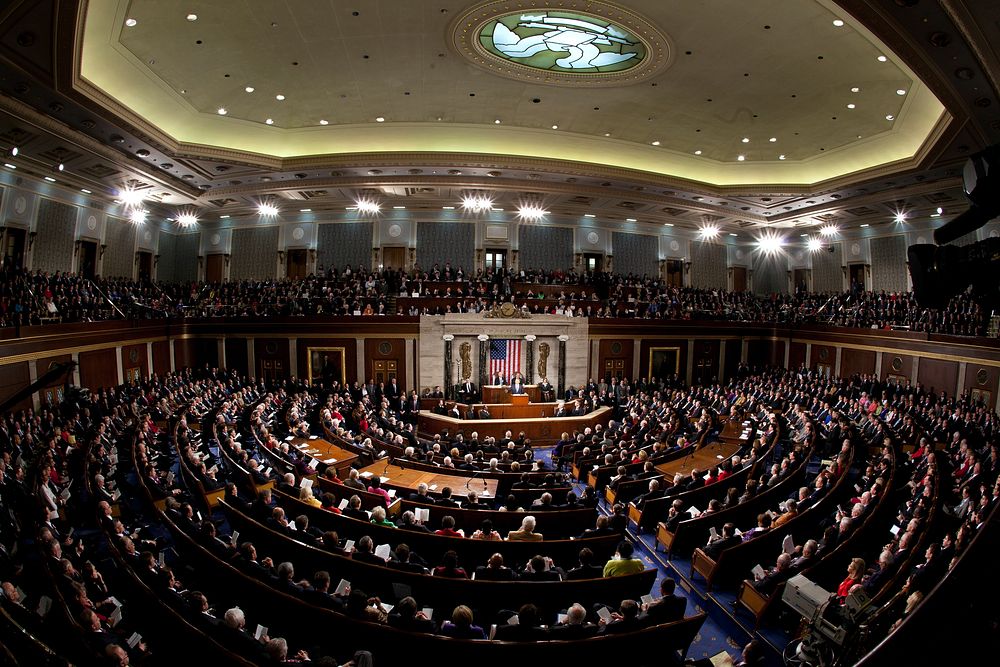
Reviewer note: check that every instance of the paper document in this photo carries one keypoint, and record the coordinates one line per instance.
(382, 551)
(260, 632)
(134, 640)
(349, 545)
(343, 588)
(422, 513)
(343, 504)
(758, 572)
(646, 599)
(604, 614)
(788, 545)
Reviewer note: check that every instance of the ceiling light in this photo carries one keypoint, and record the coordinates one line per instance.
(668, 224)
(733, 234)
(50, 179)
(269, 121)
(655, 143)
(131, 197)
(249, 89)
(741, 158)
(781, 157)
(828, 230)
(477, 203)
(838, 22)
(881, 59)
(607, 134)
(589, 215)
(192, 17)
(773, 139)
(61, 167)
(900, 217)
(496, 209)
(369, 206)
(630, 220)
(531, 212)
(138, 216)
(187, 219)
(267, 209)
(14, 151)
(708, 232)
(9, 165)
(399, 207)
(889, 116)
(222, 111)
(814, 245)
(555, 127)
(851, 105)
(900, 91)
(379, 119)
(130, 22)
(496, 122)
(745, 140)
(864, 225)
(85, 191)
(937, 213)
(770, 243)
(305, 210)
(223, 217)
(698, 152)
(448, 208)
(279, 97)
(324, 122)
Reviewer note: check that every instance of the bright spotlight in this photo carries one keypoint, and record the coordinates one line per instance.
(131, 197)
(531, 212)
(138, 216)
(814, 245)
(900, 217)
(187, 219)
(368, 206)
(828, 230)
(708, 232)
(267, 209)
(770, 243)
(477, 203)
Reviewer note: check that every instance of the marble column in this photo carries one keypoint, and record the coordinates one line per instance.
(449, 391)
(562, 364)
(529, 359)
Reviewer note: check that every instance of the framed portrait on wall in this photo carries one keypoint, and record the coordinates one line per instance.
(663, 362)
(981, 396)
(326, 365)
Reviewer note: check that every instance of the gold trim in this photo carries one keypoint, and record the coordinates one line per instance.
(35, 356)
(343, 361)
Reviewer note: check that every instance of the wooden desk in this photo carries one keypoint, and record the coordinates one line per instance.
(325, 451)
(501, 394)
(405, 480)
(701, 460)
(542, 431)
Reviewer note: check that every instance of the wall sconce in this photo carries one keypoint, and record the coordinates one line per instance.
(281, 257)
(31, 239)
(156, 260)
(227, 256)
(104, 247)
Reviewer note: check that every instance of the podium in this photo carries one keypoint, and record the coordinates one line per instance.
(519, 399)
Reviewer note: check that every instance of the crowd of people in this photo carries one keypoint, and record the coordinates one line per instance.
(34, 297)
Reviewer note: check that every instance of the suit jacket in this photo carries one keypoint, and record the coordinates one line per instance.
(667, 609)
(716, 548)
(523, 536)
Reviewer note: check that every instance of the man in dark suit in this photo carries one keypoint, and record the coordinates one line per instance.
(767, 584)
(728, 539)
(653, 493)
(495, 570)
(392, 393)
(517, 385)
(574, 625)
(497, 380)
(668, 608)
(484, 413)
(467, 391)
(586, 569)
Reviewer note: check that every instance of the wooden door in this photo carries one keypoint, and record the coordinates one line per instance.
(675, 273)
(296, 265)
(215, 268)
(800, 280)
(393, 258)
(13, 247)
(856, 273)
(739, 279)
(615, 368)
(145, 265)
(88, 259)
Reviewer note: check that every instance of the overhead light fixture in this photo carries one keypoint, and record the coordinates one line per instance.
(448, 208)
(249, 89)
(368, 206)
(222, 111)
(324, 122)
(741, 158)
(305, 210)
(267, 209)
(881, 59)
(130, 22)
(852, 105)
(531, 212)
(855, 89)
(138, 216)
(589, 215)
(773, 139)
(379, 119)
(655, 143)
(900, 91)
(398, 208)
(555, 127)
(900, 217)
(770, 243)
(630, 220)
(745, 140)
(828, 230)
(85, 191)
(889, 117)
(496, 122)
(708, 232)
(14, 151)
(131, 197)
(864, 225)
(279, 97)
(814, 245)
(838, 22)
(698, 152)
(187, 219)
(781, 157)
(269, 121)
(50, 179)
(937, 213)
(9, 165)
(223, 217)
(192, 17)
(668, 224)
(607, 134)
(477, 203)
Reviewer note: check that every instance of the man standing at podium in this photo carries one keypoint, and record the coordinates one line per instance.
(517, 385)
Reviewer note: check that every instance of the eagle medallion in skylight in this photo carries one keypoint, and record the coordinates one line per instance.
(565, 42)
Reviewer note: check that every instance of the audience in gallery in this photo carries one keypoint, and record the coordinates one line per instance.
(35, 297)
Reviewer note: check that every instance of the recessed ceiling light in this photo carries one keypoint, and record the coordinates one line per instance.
(855, 89)
(607, 134)
(379, 119)
(279, 97)
(305, 210)
(368, 206)
(555, 127)
(324, 122)
(745, 140)
(269, 121)
(138, 216)
(9, 165)
(770, 243)
(130, 22)
(497, 121)
(531, 212)
(448, 208)
(249, 89)
(50, 179)
(864, 225)
(192, 17)
(655, 143)
(851, 105)
(708, 232)
(838, 22)
(187, 219)
(14, 151)
(900, 217)
(668, 224)
(61, 166)
(733, 234)
(399, 207)
(741, 158)
(889, 117)
(881, 59)
(781, 157)
(814, 245)
(477, 203)
(222, 111)
(828, 230)
(698, 152)
(85, 191)
(589, 215)
(900, 91)
(223, 217)
(630, 220)
(267, 209)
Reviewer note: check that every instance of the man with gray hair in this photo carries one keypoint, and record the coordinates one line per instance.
(573, 624)
(526, 533)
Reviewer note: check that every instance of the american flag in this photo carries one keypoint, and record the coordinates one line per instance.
(505, 357)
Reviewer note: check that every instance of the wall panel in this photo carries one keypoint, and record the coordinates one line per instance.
(186, 259)
(254, 253)
(635, 253)
(385, 350)
(14, 378)
(56, 226)
(889, 270)
(708, 265)
(161, 357)
(938, 375)
(98, 368)
(119, 256)
(857, 362)
(828, 272)
(442, 242)
(134, 356)
(341, 244)
(548, 248)
(350, 346)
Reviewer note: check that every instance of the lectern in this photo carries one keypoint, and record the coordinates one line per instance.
(519, 399)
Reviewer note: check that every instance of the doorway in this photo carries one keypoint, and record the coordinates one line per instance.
(856, 274)
(88, 259)
(496, 259)
(13, 247)
(394, 257)
(800, 280)
(296, 265)
(739, 279)
(145, 265)
(215, 268)
(593, 262)
(675, 273)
